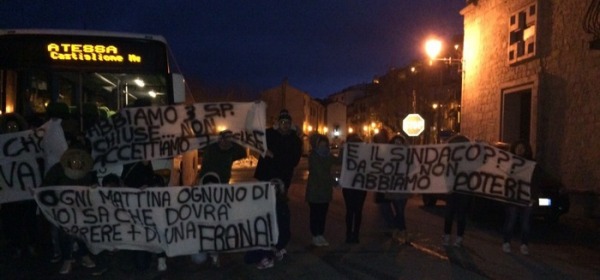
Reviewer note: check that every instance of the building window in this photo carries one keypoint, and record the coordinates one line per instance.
(522, 31)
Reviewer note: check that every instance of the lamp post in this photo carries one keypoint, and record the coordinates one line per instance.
(433, 48)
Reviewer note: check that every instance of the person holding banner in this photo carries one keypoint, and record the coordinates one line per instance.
(394, 209)
(383, 203)
(219, 157)
(513, 212)
(456, 206)
(354, 200)
(74, 169)
(319, 188)
(283, 154)
(141, 175)
(18, 218)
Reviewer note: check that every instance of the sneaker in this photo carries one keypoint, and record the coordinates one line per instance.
(524, 249)
(265, 263)
(317, 241)
(446, 240)
(214, 257)
(99, 271)
(402, 237)
(323, 240)
(66, 267)
(86, 261)
(406, 237)
(280, 254)
(55, 258)
(458, 242)
(162, 264)
(506, 247)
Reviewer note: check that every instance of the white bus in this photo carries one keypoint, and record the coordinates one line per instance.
(86, 74)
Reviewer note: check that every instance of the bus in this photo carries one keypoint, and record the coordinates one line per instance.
(83, 75)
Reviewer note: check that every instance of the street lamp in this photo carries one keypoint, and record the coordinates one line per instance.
(433, 48)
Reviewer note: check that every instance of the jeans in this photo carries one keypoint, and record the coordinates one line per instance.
(514, 212)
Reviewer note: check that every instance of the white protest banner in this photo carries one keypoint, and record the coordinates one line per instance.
(156, 132)
(19, 165)
(174, 220)
(473, 168)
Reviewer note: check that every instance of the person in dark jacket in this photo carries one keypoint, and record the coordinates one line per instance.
(283, 154)
(141, 175)
(74, 169)
(219, 157)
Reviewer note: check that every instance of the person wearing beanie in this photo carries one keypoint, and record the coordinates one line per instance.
(283, 154)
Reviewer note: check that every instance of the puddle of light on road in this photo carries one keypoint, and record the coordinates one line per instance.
(428, 251)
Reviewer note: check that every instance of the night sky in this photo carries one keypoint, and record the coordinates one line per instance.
(322, 47)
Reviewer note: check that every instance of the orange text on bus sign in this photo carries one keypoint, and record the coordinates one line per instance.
(87, 52)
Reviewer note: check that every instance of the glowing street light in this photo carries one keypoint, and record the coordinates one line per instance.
(433, 47)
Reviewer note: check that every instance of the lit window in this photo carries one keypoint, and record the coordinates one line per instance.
(522, 31)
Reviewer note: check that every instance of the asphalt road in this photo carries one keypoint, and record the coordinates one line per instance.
(568, 250)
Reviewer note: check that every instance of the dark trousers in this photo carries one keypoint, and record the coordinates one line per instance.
(67, 242)
(354, 200)
(318, 214)
(456, 206)
(283, 222)
(398, 205)
(282, 209)
(393, 213)
(19, 223)
(514, 212)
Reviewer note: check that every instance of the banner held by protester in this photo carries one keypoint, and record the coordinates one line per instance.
(174, 220)
(20, 157)
(145, 133)
(473, 168)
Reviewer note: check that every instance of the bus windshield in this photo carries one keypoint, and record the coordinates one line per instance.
(80, 76)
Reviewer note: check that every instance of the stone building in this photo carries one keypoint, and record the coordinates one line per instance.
(531, 71)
